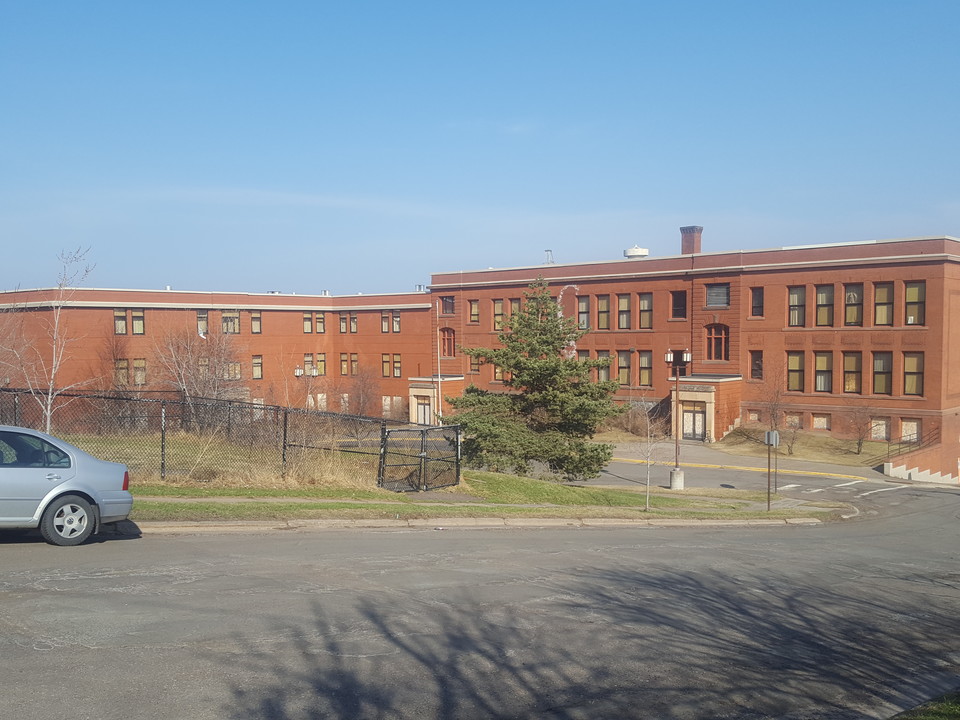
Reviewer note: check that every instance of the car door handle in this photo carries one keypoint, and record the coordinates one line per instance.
(52, 476)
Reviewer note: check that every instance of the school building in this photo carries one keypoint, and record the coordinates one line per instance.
(847, 339)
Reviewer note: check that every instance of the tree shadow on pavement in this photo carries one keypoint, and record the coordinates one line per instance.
(621, 643)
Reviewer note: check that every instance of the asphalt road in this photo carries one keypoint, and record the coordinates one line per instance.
(844, 620)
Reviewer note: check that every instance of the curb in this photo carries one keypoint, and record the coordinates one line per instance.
(172, 528)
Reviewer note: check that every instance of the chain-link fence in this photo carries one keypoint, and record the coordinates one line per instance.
(175, 440)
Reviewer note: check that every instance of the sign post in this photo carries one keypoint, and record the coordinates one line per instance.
(771, 440)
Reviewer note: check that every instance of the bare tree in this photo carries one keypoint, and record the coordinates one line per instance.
(37, 359)
(861, 421)
(644, 420)
(773, 395)
(198, 366)
(365, 394)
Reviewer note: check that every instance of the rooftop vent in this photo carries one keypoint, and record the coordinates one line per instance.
(635, 253)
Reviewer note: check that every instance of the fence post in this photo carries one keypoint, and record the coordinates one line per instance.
(382, 466)
(16, 410)
(283, 454)
(163, 439)
(423, 460)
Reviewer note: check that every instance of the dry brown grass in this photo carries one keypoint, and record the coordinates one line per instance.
(816, 447)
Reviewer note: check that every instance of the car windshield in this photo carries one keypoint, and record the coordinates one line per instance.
(22, 450)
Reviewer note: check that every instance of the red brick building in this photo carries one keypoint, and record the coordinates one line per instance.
(832, 336)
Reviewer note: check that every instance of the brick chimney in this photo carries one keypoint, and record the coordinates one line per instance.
(690, 239)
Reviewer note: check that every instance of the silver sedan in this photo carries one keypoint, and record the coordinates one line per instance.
(66, 492)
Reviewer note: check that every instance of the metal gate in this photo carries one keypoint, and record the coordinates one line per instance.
(424, 458)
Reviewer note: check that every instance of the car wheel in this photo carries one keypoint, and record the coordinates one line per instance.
(68, 521)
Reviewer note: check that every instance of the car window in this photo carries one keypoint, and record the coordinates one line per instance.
(21, 450)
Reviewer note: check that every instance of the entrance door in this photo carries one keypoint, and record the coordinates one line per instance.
(424, 410)
(695, 421)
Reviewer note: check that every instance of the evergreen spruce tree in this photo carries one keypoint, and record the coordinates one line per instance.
(551, 406)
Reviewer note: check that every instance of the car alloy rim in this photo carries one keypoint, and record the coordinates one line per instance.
(70, 521)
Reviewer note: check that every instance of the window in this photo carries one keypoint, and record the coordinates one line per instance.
(448, 343)
(603, 312)
(883, 373)
(756, 302)
(320, 323)
(354, 363)
(119, 322)
(136, 322)
(308, 365)
(880, 429)
(353, 322)
(718, 295)
(343, 322)
(514, 306)
(910, 430)
(853, 304)
(623, 312)
(231, 371)
(498, 314)
(823, 372)
(202, 326)
(646, 311)
(623, 367)
(257, 365)
(821, 421)
(344, 364)
(756, 364)
(795, 371)
(385, 366)
(852, 372)
(396, 366)
(824, 305)
(883, 303)
(474, 364)
(797, 306)
(583, 312)
(498, 373)
(603, 372)
(916, 296)
(121, 372)
(321, 364)
(203, 367)
(447, 305)
(230, 322)
(256, 325)
(913, 373)
(389, 321)
(678, 304)
(645, 364)
(140, 371)
(718, 342)
(474, 308)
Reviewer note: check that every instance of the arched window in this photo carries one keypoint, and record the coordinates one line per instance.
(718, 342)
(448, 342)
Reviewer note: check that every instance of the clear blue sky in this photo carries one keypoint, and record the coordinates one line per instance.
(359, 146)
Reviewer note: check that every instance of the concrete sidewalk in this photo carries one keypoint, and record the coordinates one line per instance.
(698, 454)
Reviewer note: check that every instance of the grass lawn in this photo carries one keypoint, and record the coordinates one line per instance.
(944, 708)
(480, 494)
